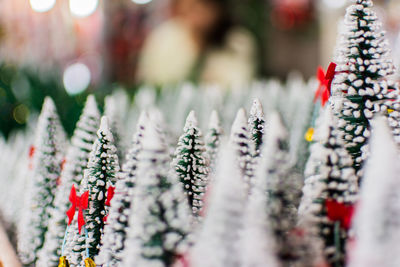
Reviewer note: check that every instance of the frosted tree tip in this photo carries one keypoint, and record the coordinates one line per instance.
(48, 104)
(191, 120)
(257, 109)
(214, 120)
(240, 120)
(151, 138)
(105, 128)
(324, 128)
(276, 128)
(91, 106)
(143, 118)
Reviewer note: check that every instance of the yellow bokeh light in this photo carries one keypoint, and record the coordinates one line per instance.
(21, 114)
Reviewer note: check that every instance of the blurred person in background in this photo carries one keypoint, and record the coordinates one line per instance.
(200, 43)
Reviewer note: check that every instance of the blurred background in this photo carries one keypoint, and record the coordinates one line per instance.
(70, 48)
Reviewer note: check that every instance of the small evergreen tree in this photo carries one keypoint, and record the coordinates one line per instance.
(115, 230)
(335, 184)
(191, 163)
(46, 171)
(160, 215)
(72, 174)
(365, 64)
(283, 189)
(377, 217)
(217, 242)
(241, 142)
(213, 138)
(256, 125)
(113, 114)
(98, 177)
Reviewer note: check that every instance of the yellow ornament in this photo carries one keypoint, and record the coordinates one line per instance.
(89, 263)
(309, 135)
(63, 262)
(390, 110)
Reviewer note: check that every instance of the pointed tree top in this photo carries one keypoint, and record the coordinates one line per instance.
(327, 121)
(143, 118)
(191, 120)
(48, 105)
(105, 129)
(240, 120)
(276, 126)
(91, 106)
(151, 137)
(214, 122)
(257, 109)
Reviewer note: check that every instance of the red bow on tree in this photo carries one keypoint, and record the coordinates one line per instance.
(31, 151)
(339, 212)
(80, 202)
(325, 83)
(182, 261)
(110, 195)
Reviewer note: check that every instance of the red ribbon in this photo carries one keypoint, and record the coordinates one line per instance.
(182, 261)
(80, 202)
(325, 83)
(110, 195)
(339, 212)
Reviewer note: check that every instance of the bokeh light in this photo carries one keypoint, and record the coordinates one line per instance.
(21, 114)
(76, 78)
(83, 8)
(141, 2)
(42, 5)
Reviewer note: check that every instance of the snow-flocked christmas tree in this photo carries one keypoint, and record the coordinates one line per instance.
(99, 177)
(257, 125)
(191, 163)
(46, 171)
(377, 218)
(217, 242)
(241, 142)
(330, 192)
(362, 79)
(160, 215)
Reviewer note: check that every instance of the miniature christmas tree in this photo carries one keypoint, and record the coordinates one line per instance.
(327, 211)
(256, 125)
(115, 231)
(213, 138)
(366, 63)
(46, 171)
(99, 177)
(377, 217)
(160, 215)
(283, 189)
(241, 142)
(72, 174)
(191, 163)
(217, 243)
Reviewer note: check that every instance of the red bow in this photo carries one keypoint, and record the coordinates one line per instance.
(325, 83)
(110, 195)
(182, 261)
(80, 202)
(339, 212)
(31, 151)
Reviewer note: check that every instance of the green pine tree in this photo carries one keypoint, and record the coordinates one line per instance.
(256, 125)
(191, 163)
(213, 138)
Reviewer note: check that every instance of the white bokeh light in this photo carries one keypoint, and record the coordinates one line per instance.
(76, 78)
(83, 8)
(335, 3)
(42, 5)
(141, 2)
